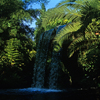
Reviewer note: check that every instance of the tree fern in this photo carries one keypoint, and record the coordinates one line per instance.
(90, 37)
(81, 13)
(12, 53)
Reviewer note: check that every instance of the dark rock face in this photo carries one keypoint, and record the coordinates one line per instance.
(39, 73)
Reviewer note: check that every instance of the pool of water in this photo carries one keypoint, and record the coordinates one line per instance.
(47, 94)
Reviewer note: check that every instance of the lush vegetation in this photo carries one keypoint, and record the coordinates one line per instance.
(17, 50)
(80, 40)
(80, 37)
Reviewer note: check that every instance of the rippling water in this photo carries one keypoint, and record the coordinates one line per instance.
(46, 94)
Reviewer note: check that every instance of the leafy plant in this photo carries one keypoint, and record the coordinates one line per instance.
(17, 50)
(83, 31)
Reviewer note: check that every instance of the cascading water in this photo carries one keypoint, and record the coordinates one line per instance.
(41, 60)
(55, 72)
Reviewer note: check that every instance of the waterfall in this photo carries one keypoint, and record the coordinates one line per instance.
(41, 61)
(55, 72)
(41, 58)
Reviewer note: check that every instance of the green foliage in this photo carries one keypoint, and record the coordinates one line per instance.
(52, 19)
(39, 29)
(89, 58)
(17, 50)
(43, 24)
(79, 17)
(83, 32)
(12, 55)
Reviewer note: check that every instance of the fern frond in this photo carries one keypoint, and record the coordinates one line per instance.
(80, 13)
(80, 43)
(61, 12)
(73, 27)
